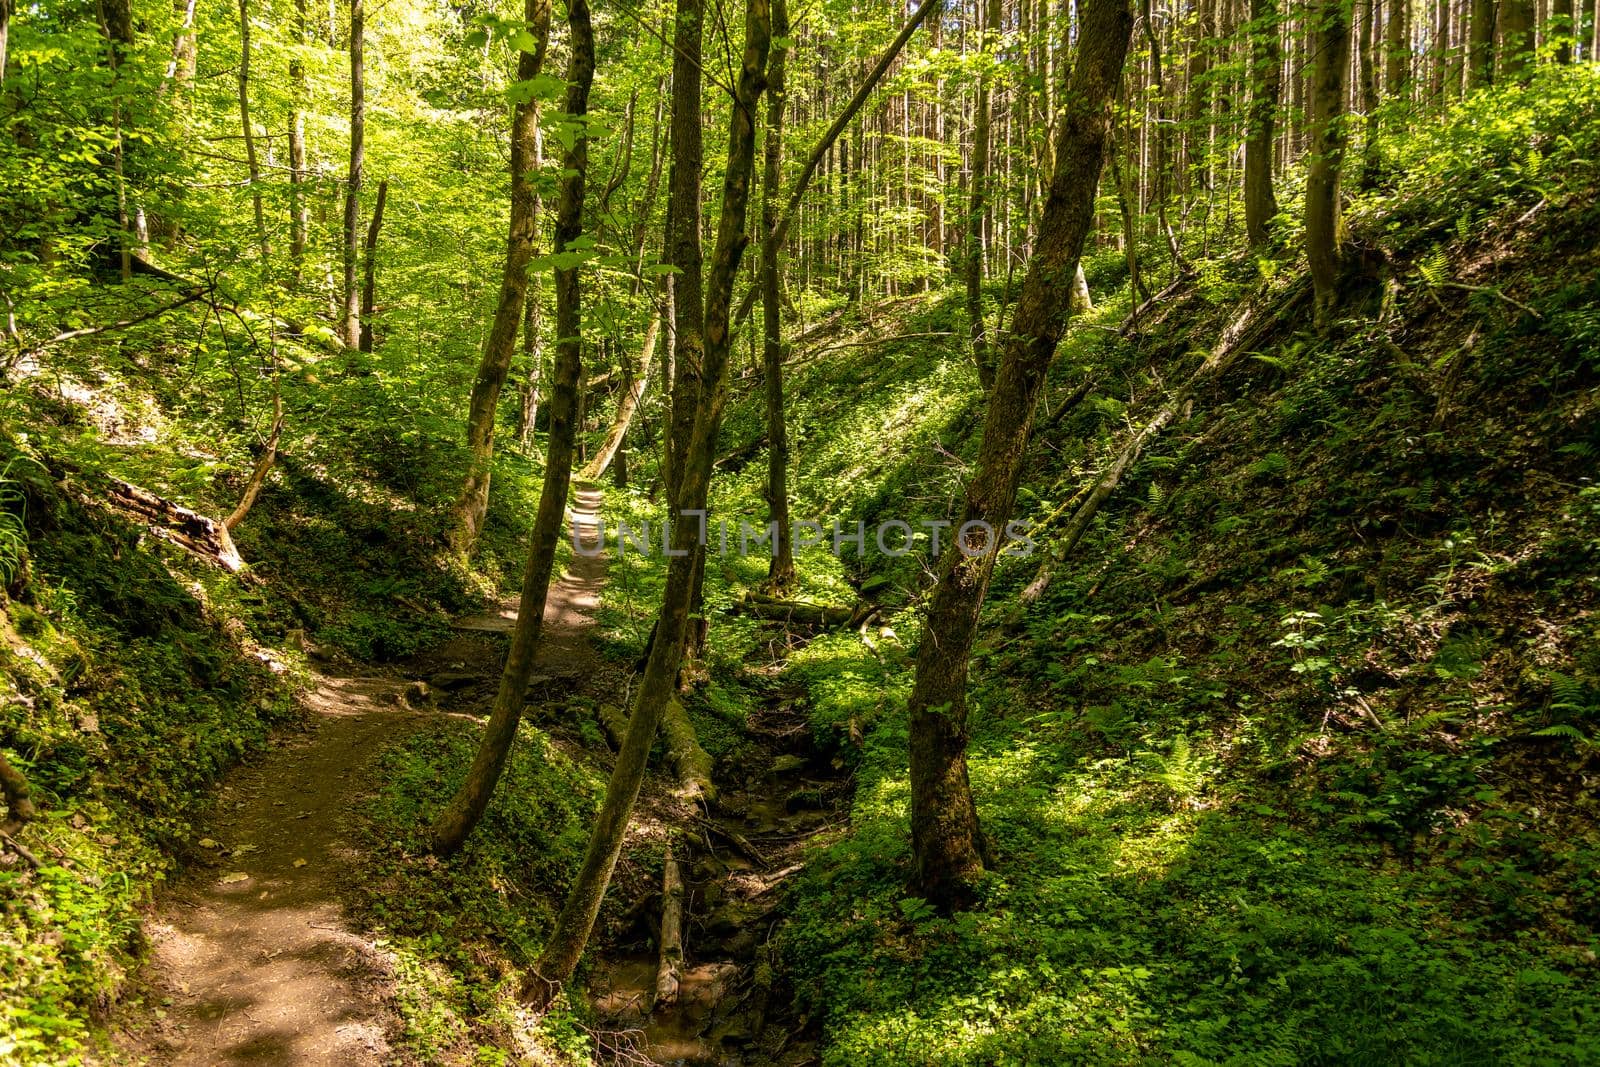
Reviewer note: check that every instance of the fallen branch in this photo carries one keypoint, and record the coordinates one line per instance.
(740, 843)
(670, 960)
(1492, 291)
(878, 341)
(205, 537)
(794, 612)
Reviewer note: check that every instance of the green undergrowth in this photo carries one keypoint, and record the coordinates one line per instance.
(462, 933)
(127, 687)
(1290, 762)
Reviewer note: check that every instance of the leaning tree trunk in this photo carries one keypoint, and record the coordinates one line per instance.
(566, 943)
(944, 821)
(1266, 61)
(369, 280)
(351, 315)
(467, 806)
(632, 392)
(1323, 222)
(472, 504)
(780, 573)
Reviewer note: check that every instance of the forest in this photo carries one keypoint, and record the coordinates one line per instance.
(946, 532)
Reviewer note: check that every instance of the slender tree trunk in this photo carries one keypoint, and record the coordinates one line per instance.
(944, 821)
(116, 22)
(628, 400)
(258, 474)
(251, 160)
(5, 34)
(533, 359)
(978, 201)
(1368, 72)
(1323, 222)
(781, 572)
(299, 205)
(1397, 44)
(457, 820)
(683, 191)
(369, 280)
(573, 925)
(472, 504)
(1163, 175)
(1266, 61)
(352, 190)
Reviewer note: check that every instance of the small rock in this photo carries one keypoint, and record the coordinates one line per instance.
(234, 876)
(787, 764)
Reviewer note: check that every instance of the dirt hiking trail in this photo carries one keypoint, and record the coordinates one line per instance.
(251, 952)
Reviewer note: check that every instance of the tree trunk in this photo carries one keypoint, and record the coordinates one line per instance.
(944, 821)
(1266, 61)
(1561, 29)
(369, 281)
(1397, 44)
(1480, 50)
(1516, 39)
(1323, 222)
(522, 237)
(627, 401)
(263, 467)
(572, 928)
(299, 205)
(1368, 72)
(5, 34)
(456, 822)
(683, 209)
(1159, 164)
(249, 131)
(351, 323)
(781, 572)
(977, 201)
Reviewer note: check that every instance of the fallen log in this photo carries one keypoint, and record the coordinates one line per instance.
(189, 530)
(690, 763)
(670, 961)
(795, 612)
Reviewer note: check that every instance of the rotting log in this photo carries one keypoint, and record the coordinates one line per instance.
(670, 961)
(190, 530)
(691, 764)
(796, 612)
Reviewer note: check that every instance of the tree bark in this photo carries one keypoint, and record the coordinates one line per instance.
(369, 280)
(263, 467)
(1323, 218)
(1266, 61)
(780, 572)
(1397, 44)
(456, 822)
(576, 920)
(1516, 39)
(472, 504)
(352, 191)
(683, 209)
(944, 821)
(299, 204)
(248, 129)
(1480, 48)
(977, 201)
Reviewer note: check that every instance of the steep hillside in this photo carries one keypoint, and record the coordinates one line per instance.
(1294, 757)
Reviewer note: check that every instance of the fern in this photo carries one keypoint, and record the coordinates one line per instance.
(1157, 497)
(1178, 770)
(13, 526)
(1464, 226)
(1564, 729)
(1434, 268)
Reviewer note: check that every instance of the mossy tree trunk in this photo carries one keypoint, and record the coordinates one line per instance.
(944, 821)
(1323, 219)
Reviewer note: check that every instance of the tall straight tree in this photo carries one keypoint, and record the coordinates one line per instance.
(1516, 39)
(573, 925)
(1480, 46)
(466, 519)
(944, 820)
(351, 320)
(780, 573)
(299, 204)
(1323, 219)
(1266, 67)
(459, 817)
(972, 250)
